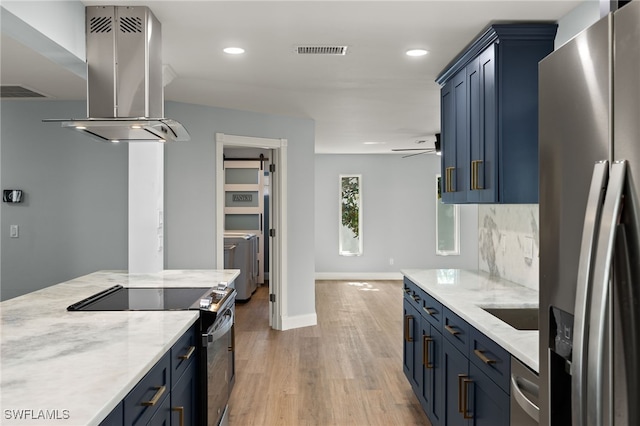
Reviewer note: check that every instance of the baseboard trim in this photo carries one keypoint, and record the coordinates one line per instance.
(299, 321)
(358, 276)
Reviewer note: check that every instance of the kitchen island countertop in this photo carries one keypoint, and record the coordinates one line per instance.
(73, 368)
(467, 292)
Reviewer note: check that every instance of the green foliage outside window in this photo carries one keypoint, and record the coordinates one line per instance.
(350, 203)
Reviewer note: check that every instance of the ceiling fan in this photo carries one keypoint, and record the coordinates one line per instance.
(426, 150)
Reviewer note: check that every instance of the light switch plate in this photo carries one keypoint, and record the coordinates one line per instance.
(528, 247)
(13, 231)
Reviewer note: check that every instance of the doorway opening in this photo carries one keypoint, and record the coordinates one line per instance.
(277, 232)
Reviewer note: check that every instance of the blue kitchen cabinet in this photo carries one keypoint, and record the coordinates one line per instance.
(184, 409)
(482, 128)
(472, 398)
(488, 403)
(454, 131)
(142, 402)
(430, 395)
(115, 418)
(411, 348)
(162, 416)
(489, 133)
(422, 349)
(168, 393)
(460, 376)
(455, 369)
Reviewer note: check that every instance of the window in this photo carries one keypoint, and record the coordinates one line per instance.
(447, 225)
(350, 220)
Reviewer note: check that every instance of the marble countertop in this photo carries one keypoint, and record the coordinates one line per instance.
(77, 366)
(467, 292)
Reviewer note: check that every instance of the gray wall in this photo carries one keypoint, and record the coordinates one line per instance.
(398, 215)
(74, 217)
(190, 207)
(574, 22)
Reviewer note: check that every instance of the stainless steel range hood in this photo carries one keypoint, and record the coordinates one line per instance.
(125, 97)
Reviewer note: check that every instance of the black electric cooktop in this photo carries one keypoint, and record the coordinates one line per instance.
(119, 298)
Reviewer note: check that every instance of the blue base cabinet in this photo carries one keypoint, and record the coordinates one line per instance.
(455, 370)
(168, 394)
(422, 349)
(489, 116)
(431, 367)
(459, 375)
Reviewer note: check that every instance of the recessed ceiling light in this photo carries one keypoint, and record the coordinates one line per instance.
(234, 50)
(416, 52)
(373, 143)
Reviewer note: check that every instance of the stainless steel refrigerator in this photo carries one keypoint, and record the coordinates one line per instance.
(590, 226)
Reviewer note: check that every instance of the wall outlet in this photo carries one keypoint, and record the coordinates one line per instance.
(391, 261)
(528, 247)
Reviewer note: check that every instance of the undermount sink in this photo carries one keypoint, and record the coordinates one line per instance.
(518, 318)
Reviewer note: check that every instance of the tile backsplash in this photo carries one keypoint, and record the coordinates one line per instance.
(508, 242)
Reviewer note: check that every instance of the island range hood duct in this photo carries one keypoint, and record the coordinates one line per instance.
(125, 98)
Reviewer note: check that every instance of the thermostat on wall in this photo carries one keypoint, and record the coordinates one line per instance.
(12, 195)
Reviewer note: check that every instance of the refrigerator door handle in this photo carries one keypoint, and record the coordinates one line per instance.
(581, 309)
(600, 291)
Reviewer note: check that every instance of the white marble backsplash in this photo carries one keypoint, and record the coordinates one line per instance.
(508, 238)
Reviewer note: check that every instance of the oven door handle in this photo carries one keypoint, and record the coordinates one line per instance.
(219, 329)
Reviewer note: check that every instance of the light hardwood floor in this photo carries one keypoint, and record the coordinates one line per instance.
(347, 370)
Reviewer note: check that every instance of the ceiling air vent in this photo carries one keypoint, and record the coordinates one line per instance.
(19, 92)
(321, 50)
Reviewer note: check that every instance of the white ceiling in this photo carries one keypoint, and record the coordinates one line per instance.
(375, 93)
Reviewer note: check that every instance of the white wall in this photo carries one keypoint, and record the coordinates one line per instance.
(398, 217)
(55, 29)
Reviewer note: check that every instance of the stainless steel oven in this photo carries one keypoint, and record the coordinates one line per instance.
(218, 360)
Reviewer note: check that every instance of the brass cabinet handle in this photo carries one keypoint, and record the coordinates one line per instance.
(478, 164)
(425, 351)
(180, 411)
(465, 398)
(430, 310)
(460, 378)
(483, 357)
(450, 187)
(407, 290)
(473, 182)
(415, 298)
(475, 167)
(451, 330)
(188, 354)
(159, 391)
(446, 179)
(407, 337)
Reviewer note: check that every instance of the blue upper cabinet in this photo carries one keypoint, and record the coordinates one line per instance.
(454, 128)
(489, 116)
